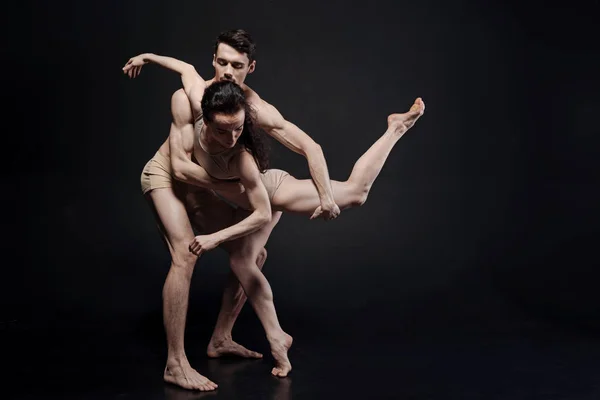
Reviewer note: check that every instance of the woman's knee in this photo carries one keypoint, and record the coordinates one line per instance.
(358, 194)
(184, 259)
(241, 260)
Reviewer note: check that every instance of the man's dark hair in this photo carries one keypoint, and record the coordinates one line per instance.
(227, 97)
(240, 40)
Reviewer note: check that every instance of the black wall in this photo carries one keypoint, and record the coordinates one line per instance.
(486, 210)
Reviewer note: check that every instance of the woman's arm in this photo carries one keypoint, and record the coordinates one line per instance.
(193, 84)
(246, 168)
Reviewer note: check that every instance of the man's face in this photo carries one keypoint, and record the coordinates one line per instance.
(226, 129)
(231, 65)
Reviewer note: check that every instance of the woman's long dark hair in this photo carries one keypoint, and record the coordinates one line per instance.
(228, 98)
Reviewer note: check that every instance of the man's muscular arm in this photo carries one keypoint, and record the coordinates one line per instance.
(181, 144)
(291, 136)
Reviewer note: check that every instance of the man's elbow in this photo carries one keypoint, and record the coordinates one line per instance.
(312, 149)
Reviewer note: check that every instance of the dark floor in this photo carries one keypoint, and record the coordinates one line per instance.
(336, 359)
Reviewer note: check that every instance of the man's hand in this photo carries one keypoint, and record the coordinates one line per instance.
(134, 66)
(327, 211)
(203, 243)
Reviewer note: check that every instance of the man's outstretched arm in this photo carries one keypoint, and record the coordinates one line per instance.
(295, 139)
(193, 84)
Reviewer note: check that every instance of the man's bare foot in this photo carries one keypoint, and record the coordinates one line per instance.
(183, 375)
(400, 123)
(279, 350)
(227, 347)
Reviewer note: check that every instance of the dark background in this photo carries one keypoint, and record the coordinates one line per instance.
(483, 223)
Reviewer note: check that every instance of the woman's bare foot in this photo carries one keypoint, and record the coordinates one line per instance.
(400, 123)
(183, 375)
(227, 347)
(279, 350)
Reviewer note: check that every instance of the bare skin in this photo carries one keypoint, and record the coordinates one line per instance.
(301, 196)
(171, 206)
(293, 196)
(174, 208)
(279, 350)
(251, 281)
(221, 343)
(177, 233)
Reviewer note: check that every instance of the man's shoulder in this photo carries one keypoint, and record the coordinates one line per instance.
(250, 93)
(179, 96)
(180, 107)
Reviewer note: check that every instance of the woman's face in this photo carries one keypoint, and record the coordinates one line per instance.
(226, 129)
